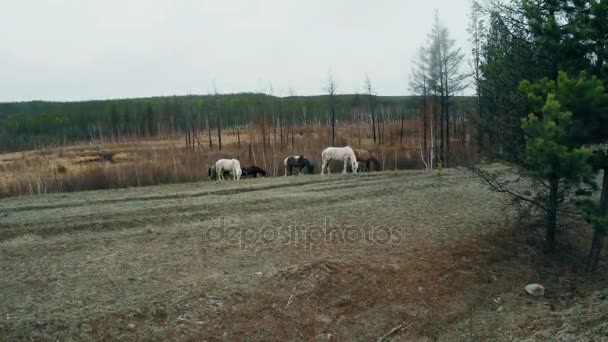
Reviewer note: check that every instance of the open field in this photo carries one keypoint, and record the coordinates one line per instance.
(301, 258)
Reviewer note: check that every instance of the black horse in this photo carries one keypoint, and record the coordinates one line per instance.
(253, 172)
(303, 164)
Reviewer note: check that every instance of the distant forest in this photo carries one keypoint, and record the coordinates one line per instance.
(37, 124)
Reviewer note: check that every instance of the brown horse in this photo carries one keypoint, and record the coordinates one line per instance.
(366, 157)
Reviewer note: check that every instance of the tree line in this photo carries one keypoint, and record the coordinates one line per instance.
(26, 125)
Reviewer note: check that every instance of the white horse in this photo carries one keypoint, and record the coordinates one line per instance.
(228, 165)
(345, 154)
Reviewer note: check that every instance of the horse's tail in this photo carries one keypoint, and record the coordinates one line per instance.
(326, 151)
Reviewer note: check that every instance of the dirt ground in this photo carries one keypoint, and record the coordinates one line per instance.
(345, 257)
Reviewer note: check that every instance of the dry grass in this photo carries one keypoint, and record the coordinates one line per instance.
(21, 241)
(138, 162)
(138, 263)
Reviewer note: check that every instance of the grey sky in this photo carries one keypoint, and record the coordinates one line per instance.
(86, 49)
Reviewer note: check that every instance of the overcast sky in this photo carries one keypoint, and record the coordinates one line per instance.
(99, 49)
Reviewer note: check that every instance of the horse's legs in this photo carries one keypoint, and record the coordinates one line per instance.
(329, 167)
(345, 164)
(323, 165)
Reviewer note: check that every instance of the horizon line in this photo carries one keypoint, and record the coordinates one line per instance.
(204, 95)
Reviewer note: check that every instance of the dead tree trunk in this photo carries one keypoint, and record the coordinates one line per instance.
(197, 141)
(373, 125)
(187, 136)
(219, 129)
(358, 117)
(274, 131)
(447, 131)
(208, 130)
(282, 139)
(293, 124)
(238, 136)
(401, 130)
(597, 244)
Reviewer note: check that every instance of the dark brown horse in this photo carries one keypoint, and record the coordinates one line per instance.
(367, 157)
(253, 172)
(301, 163)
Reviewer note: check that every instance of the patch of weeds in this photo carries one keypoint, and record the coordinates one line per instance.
(439, 169)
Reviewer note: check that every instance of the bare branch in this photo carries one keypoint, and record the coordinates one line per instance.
(501, 187)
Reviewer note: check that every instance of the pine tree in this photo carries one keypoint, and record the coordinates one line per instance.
(552, 157)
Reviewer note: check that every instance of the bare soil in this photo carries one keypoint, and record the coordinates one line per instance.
(344, 257)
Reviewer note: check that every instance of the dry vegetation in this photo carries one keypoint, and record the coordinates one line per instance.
(111, 163)
(138, 264)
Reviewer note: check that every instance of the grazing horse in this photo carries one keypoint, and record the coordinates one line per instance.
(253, 171)
(302, 163)
(233, 166)
(367, 157)
(212, 173)
(344, 154)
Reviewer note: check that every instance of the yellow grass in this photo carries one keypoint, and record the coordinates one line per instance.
(149, 161)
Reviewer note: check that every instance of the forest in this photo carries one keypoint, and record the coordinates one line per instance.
(540, 71)
(38, 124)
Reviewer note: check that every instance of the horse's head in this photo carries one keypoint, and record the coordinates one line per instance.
(309, 166)
(212, 173)
(354, 165)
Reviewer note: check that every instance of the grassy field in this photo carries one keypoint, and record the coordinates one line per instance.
(301, 258)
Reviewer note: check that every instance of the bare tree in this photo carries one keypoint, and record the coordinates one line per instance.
(454, 81)
(292, 124)
(218, 109)
(208, 129)
(476, 32)
(331, 89)
(402, 117)
(419, 85)
(369, 91)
